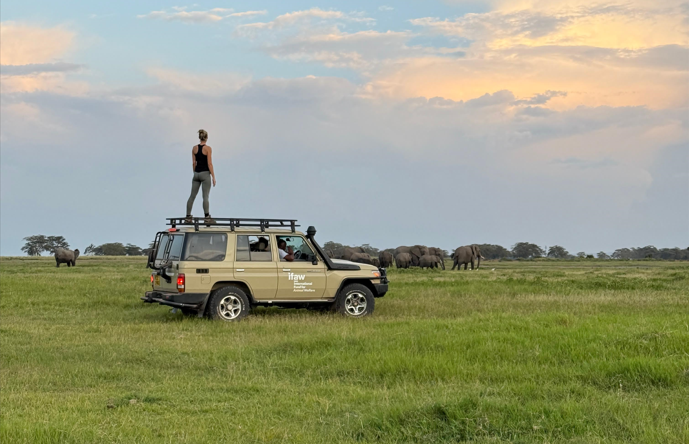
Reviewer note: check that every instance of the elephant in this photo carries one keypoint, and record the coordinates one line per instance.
(330, 254)
(416, 252)
(440, 253)
(349, 251)
(403, 260)
(375, 261)
(64, 256)
(386, 259)
(361, 258)
(467, 255)
(429, 261)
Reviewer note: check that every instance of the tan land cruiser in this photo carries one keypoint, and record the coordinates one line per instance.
(225, 268)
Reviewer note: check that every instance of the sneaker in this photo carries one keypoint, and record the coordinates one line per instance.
(208, 220)
(188, 219)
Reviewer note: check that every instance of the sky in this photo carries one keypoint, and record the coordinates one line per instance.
(444, 123)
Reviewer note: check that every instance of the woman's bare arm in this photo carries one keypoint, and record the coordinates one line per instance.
(210, 163)
(193, 160)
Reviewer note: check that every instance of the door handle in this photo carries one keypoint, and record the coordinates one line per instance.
(286, 269)
(239, 269)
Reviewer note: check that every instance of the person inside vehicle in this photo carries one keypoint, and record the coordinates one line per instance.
(286, 253)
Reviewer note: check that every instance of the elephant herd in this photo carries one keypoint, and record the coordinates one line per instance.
(415, 256)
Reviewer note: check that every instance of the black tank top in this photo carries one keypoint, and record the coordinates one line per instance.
(201, 160)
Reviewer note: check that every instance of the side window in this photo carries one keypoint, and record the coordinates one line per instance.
(253, 248)
(302, 250)
(176, 248)
(205, 247)
(162, 245)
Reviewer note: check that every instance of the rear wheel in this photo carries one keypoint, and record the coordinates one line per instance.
(356, 301)
(228, 304)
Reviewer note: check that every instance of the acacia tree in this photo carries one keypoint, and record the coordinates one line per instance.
(527, 250)
(558, 252)
(35, 244)
(132, 250)
(490, 251)
(55, 242)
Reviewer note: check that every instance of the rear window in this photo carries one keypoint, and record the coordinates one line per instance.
(253, 248)
(205, 247)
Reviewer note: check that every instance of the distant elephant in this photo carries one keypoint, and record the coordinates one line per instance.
(64, 256)
(416, 252)
(375, 261)
(429, 261)
(467, 255)
(386, 259)
(440, 253)
(403, 260)
(349, 251)
(361, 258)
(330, 253)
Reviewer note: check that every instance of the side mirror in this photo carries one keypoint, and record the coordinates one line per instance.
(315, 260)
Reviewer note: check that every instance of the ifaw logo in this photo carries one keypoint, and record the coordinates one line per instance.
(296, 277)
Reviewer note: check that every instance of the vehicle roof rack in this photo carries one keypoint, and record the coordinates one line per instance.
(232, 222)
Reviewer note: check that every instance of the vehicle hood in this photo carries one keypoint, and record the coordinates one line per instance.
(362, 266)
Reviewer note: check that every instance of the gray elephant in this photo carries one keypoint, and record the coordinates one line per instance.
(439, 253)
(349, 251)
(467, 255)
(64, 256)
(416, 252)
(403, 260)
(429, 261)
(386, 259)
(361, 258)
(375, 261)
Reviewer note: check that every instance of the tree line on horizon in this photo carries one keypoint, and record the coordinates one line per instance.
(37, 244)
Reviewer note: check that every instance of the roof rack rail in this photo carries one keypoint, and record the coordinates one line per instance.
(232, 222)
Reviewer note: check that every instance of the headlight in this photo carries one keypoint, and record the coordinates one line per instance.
(376, 273)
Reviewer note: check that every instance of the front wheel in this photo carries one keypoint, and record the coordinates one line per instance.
(356, 301)
(228, 304)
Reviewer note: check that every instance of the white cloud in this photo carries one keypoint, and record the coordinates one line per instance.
(209, 16)
(385, 8)
(302, 18)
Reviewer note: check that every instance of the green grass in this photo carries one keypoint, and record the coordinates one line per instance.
(530, 352)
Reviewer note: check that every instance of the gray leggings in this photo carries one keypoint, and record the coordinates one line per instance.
(203, 178)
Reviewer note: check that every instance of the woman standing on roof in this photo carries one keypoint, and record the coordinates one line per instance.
(202, 161)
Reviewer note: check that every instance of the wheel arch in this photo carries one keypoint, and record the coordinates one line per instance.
(365, 282)
(240, 284)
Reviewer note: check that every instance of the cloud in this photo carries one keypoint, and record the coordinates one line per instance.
(196, 17)
(386, 8)
(30, 59)
(327, 131)
(22, 44)
(38, 68)
(301, 18)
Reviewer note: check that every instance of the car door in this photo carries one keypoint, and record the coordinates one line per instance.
(255, 265)
(300, 279)
(169, 252)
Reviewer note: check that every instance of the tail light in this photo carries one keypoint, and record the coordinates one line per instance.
(181, 280)
(151, 278)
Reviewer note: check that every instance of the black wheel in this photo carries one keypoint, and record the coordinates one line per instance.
(228, 304)
(356, 301)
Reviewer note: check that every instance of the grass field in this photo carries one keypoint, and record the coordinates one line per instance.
(542, 352)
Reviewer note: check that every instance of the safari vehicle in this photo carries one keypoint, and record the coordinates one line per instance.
(224, 268)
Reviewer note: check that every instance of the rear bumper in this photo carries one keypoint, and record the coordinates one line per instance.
(177, 300)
